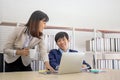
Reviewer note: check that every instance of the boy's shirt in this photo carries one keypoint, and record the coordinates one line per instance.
(63, 51)
(55, 57)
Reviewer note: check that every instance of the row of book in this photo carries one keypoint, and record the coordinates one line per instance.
(101, 64)
(37, 65)
(103, 44)
(108, 63)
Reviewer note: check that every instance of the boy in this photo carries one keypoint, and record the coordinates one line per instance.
(62, 41)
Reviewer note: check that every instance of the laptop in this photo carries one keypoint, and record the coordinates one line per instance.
(71, 63)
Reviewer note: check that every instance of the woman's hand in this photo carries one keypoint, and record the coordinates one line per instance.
(48, 67)
(23, 52)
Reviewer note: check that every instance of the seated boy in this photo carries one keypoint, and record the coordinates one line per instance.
(62, 41)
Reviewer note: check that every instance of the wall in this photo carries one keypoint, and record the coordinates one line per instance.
(100, 14)
(1, 10)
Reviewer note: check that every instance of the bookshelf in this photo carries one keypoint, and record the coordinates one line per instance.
(106, 48)
(94, 49)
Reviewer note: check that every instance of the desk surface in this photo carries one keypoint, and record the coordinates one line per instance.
(108, 75)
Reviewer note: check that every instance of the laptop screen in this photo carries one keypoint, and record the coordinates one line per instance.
(71, 62)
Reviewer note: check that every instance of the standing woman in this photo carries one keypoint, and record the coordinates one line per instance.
(24, 38)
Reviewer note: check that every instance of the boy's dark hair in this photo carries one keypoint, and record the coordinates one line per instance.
(61, 35)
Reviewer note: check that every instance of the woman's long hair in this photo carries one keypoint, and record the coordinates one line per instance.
(33, 23)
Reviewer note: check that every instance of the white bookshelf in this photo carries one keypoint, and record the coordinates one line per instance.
(96, 48)
(106, 49)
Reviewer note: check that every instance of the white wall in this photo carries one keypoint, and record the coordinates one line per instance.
(100, 14)
(80, 39)
(0, 10)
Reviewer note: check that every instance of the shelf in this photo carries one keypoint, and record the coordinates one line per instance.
(58, 27)
(8, 24)
(49, 27)
(108, 52)
(82, 29)
(108, 31)
(55, 27)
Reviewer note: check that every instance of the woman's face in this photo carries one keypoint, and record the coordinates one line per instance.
(42, 24)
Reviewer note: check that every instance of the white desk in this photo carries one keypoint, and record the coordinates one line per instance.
(108, 75)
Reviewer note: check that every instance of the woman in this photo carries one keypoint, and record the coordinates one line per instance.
(23, 39)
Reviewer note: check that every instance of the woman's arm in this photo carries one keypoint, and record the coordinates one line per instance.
(44, 55)
(9, 45)
(48, 67)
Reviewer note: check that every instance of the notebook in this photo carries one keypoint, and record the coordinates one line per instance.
(71, 63)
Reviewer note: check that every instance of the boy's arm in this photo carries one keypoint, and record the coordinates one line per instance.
(52, 60)
(89, 67)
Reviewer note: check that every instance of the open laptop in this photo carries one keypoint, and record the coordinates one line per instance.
(71, 63)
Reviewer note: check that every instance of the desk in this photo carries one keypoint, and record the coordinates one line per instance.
(108, 75)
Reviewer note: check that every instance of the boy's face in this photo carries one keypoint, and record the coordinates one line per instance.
(63, 43)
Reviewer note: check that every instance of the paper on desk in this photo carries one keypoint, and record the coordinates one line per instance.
(44, 71)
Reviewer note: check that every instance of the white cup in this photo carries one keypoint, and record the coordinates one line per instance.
(33, 54)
